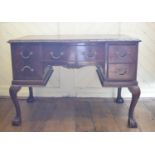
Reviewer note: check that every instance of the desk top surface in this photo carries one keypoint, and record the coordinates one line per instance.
(72, 38)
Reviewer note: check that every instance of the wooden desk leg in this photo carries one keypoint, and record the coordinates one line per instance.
(119, 98)
(30, 99)
(135, 90)
(13, 94)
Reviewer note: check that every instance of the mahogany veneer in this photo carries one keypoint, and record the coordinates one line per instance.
(115, 58)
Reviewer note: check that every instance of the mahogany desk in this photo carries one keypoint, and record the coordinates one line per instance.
(115, 58)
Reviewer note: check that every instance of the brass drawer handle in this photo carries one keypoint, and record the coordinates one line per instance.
(26, 57)
(89, 54)
(27, 67)
(122, 71)
(122, 54)
(56, 57)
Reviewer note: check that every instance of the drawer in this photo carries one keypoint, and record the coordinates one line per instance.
(122, 53)
(26, 61)
(25, 51)
(121, 72)
(90, 54)
(62, 54)
(58, 53)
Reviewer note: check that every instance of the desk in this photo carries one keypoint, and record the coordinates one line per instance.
(115, 58)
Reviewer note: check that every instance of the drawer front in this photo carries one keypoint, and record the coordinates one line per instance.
(122, 72)
(76, 55)
(122, 53)
(90, 54)
(26, 62)
(58, 53)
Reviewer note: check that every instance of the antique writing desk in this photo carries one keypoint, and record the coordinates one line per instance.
(115, 58)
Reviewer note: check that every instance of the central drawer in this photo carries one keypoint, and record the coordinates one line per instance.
(90, 54)
(73, 54)
(58, 53)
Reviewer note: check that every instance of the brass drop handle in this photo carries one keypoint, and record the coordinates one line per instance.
(27, 67)
(89, 54)
(26, 57)
(122, 71)
(122, 54)
(56, 57)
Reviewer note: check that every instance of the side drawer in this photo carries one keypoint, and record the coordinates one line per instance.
(122, 53)
(125, 72)
(26, 61)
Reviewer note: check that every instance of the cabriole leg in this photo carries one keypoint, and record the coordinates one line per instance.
(135, 90)
(119, 98)
(13, 94)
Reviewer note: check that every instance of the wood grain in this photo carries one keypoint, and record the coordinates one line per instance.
(144, 31)
(77, 114)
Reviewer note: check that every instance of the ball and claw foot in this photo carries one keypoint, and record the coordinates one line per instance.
(119, 100)
(16, 121)
(132, 123)
(30, 100)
